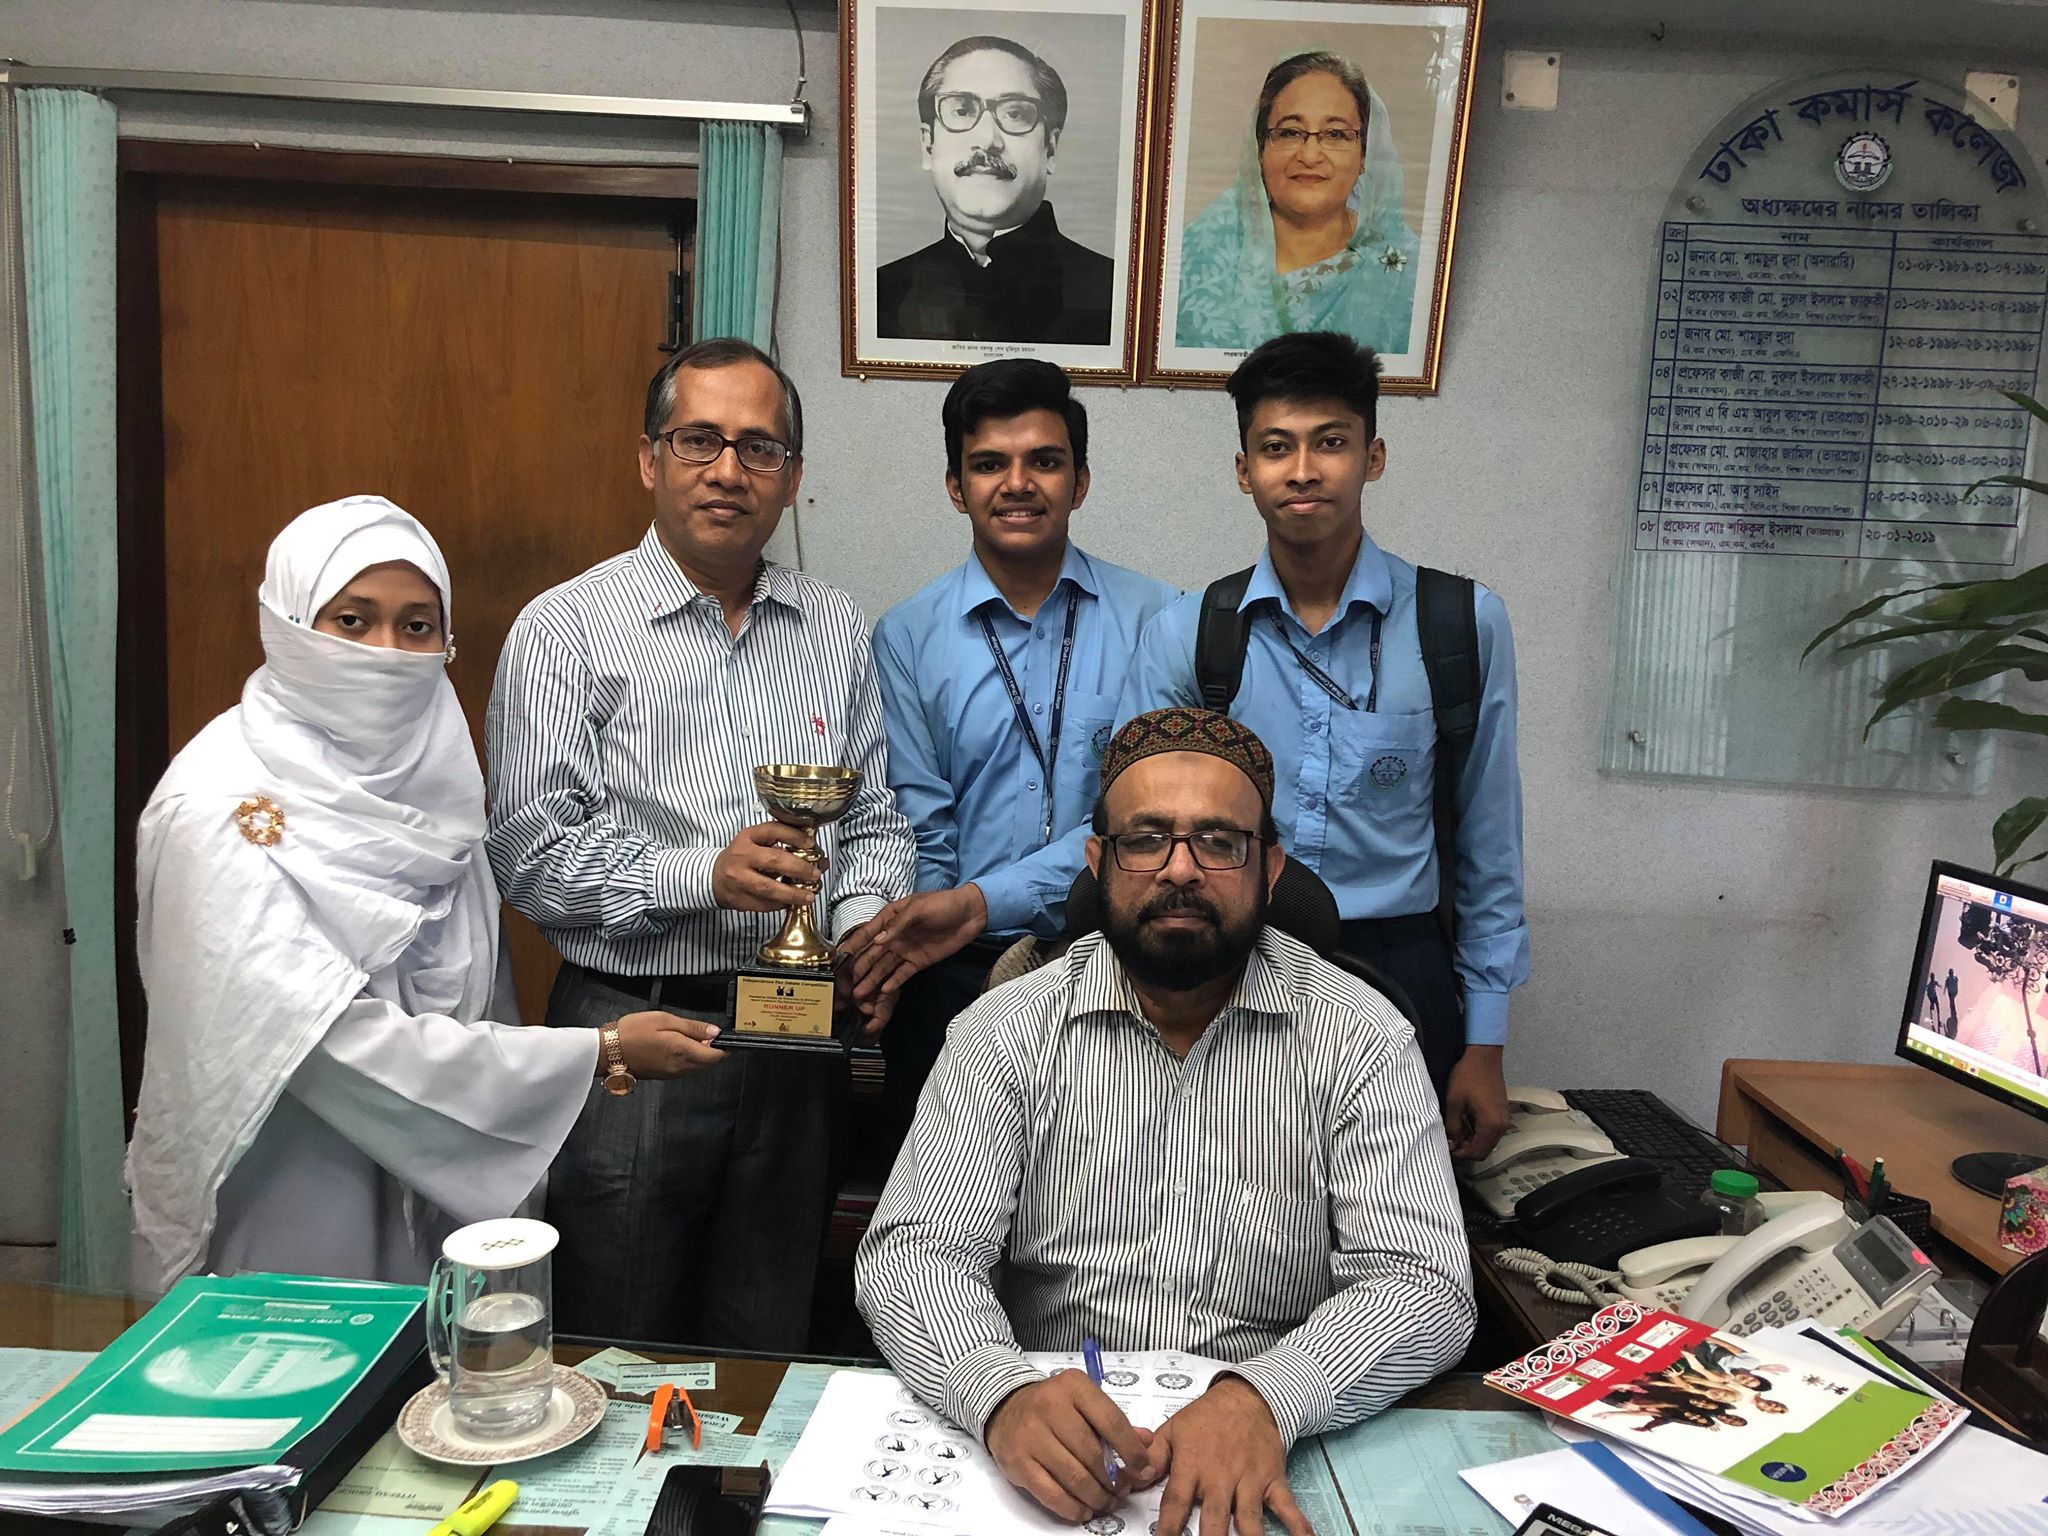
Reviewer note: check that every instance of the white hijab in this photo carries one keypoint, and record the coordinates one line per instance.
(378, 881)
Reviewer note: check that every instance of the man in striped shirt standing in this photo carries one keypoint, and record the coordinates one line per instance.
(632, 705)
(1188, 1133)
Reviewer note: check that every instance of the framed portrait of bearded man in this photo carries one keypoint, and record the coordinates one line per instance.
(992, 187)
(1308, 180)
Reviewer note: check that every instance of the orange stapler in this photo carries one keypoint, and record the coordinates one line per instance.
(671, 1409)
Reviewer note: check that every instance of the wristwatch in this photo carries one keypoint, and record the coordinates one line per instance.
(618, 1082)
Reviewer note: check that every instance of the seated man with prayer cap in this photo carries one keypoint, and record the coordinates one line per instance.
(1188, 1133)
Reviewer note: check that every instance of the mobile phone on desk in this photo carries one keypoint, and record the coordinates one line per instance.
(709, 1501)
(1549, 1520)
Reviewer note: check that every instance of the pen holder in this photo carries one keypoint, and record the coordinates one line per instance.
(1912, 1216)
(2023, 1218)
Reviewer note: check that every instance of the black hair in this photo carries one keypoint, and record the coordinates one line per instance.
(719, 352)
(1269, 832)
(1010, 386)
(1308, 365)
(1287, 71)
(1052, 90)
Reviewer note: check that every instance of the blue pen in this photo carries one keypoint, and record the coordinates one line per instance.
(1091, 1356)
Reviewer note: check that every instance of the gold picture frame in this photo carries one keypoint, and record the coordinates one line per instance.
(1212, 279)
(929, 211)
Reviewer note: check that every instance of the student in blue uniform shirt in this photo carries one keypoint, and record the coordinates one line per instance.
(999, 685)
(1334, 682)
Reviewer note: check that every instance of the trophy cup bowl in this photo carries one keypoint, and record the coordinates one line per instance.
(803, 795)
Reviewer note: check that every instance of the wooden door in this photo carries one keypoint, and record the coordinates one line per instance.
(480, 356)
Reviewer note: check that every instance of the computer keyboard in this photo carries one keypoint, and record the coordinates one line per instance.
(1643, 1125)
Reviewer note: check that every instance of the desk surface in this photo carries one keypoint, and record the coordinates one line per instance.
(49, 1317)
(1917, 1121)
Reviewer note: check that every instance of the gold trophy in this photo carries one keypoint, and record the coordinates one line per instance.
(786, 999)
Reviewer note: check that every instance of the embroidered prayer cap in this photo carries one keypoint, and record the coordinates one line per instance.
(1185, 729)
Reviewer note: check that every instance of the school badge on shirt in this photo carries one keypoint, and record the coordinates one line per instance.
(1388, 771)
(260, 820)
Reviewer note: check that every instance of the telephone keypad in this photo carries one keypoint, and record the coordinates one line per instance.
(1815, 1293)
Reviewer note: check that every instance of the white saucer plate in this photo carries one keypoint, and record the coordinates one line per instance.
(427, 1425)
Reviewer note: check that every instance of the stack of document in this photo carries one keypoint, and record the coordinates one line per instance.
(1795, 1429)
(226, 1387)
(263, 1492)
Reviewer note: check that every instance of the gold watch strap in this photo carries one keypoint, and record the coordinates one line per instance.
(617, 1080)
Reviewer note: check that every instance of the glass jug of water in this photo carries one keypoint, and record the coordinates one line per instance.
(490, 1325)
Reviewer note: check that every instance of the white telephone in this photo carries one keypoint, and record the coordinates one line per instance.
(1808, 1261)
(1542, 1143)
(1541, 1101)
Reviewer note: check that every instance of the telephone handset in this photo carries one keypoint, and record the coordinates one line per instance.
(1602, 1209)
(1570, 1133)
(1808, 1261)
(1538, 1148)
(1665, 1274)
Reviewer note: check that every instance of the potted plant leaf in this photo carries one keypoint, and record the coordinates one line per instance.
(1987, 632)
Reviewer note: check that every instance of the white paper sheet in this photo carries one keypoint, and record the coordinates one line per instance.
(874, 1450)
(624, 1371)
(1567, 1480)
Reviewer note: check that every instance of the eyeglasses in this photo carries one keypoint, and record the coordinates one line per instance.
(1142, 853)
(695, 445)
(1293, 139)
(959, 111)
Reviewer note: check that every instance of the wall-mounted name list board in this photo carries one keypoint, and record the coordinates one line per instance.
(1849, 273)
(1826, 361)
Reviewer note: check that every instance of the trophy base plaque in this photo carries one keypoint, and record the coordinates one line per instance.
(784, 1008)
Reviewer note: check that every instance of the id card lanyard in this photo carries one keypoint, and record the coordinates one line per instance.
(1046, 762)
(1329, 684)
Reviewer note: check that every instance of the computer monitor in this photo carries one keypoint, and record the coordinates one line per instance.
(1975, 1006)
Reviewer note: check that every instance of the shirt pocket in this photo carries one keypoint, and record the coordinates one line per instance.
(1084, 735)
(1384, 761)
(1273, 1264)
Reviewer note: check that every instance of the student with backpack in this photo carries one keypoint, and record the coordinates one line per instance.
(1386, 692)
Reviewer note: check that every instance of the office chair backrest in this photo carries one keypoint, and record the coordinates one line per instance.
(1301, 907)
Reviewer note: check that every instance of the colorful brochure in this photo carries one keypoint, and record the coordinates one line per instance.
(1809, 1434)
(220, 1373)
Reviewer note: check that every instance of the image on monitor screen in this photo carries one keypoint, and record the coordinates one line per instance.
(1975, 1005)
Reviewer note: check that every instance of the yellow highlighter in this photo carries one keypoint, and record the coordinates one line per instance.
(480, 1511)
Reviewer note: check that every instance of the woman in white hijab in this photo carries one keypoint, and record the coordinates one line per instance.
(323, 1092)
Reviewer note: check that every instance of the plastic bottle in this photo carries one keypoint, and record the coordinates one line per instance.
(1733, 1195)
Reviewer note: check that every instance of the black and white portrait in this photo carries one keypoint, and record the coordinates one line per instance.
(991, 184)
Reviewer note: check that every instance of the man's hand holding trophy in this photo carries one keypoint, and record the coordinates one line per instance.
(787, 997)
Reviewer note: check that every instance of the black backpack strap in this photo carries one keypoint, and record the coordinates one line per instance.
(1221, 637)
(1448, 625)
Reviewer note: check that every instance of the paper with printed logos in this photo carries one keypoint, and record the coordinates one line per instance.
(873, 1448)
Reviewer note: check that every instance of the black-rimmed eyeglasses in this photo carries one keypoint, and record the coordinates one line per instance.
(695, 445)
(1142, 853)
(959, 111)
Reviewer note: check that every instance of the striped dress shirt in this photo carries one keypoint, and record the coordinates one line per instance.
(623, 733)
(1280, 1199)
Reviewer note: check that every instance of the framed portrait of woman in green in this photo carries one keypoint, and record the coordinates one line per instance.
(1308, 180)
